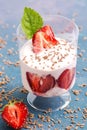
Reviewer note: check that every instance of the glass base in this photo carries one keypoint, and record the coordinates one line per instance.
(46, 103)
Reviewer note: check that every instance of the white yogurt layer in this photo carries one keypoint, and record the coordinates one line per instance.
(54, 58)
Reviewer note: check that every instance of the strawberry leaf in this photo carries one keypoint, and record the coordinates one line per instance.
(31, 22)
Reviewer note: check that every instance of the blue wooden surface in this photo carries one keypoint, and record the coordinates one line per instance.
(10, 15)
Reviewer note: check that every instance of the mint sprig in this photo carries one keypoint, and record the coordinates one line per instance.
(31, 22)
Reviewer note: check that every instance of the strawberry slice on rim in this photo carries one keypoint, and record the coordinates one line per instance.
(43, 38)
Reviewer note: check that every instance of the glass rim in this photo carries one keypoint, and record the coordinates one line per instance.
(61, 16)
(45, 18)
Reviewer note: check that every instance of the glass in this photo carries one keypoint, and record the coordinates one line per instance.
(49, 88)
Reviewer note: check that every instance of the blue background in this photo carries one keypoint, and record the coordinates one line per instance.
(10, 15)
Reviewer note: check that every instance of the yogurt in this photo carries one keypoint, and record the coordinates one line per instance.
(53, 61)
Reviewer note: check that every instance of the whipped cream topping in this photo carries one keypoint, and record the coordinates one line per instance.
(58, 56)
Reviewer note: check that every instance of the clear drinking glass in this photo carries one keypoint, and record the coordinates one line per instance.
(50, 88)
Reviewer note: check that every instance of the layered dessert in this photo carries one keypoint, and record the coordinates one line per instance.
(47, 63)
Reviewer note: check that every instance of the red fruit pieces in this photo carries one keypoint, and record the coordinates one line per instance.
(43, 38)
(33, 80)
(46, 83)
(15, 114)
(40, 84)
(66, 78)
(49, 36)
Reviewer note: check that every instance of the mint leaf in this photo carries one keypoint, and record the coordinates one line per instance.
(31, 22)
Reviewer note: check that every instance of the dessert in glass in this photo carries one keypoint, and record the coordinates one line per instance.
(48, 62)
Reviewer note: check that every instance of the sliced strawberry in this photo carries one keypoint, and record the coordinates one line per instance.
(46, 83)
(33, 81)
(15, 114)
(40, 84)
(66, 78)
(43, 38)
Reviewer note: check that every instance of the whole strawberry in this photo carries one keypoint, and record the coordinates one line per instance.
(15, 114)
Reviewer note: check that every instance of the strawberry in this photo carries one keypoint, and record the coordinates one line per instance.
(66, 78)
(33, 81)
(40, 84)
(46, 83)
(43, 38)
(15, 114)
